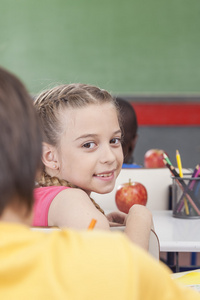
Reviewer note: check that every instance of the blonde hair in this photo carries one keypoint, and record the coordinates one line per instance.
(49, 105)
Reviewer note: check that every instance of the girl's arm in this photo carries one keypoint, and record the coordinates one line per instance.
(139, 223)
(73, 208)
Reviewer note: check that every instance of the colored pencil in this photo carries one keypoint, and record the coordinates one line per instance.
(92, 224)
(167, 159)
(190, 185)
(189, 199)
(194, 175)
(179, 164)
(173, 171)
(183, 186)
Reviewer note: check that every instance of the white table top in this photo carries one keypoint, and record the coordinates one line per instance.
(175, 234)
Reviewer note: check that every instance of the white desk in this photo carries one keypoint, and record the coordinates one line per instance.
(189, 278)
(176, 235)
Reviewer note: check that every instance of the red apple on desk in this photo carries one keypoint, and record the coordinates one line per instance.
(130, 193)
(153, 158)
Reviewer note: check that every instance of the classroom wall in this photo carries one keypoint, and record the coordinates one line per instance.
(168, 123)
(127, 47)
(185, 139)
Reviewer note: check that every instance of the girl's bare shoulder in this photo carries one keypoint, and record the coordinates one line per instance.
(73, 208)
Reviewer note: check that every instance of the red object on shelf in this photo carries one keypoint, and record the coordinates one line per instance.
(165, 114)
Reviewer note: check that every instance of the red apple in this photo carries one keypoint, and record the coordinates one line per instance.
(130, 193)
(153, 158)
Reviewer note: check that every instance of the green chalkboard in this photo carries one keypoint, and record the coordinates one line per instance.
(128, 47)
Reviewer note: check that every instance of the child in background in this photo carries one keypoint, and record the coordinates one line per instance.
(82, 153)
(64, 264)
(130, 128)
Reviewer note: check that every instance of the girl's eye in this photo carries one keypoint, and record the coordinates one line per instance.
(116, 141)
(89, 145)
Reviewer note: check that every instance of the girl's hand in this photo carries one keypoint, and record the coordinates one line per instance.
(116, 218)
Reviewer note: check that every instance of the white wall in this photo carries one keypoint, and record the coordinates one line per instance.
(156, 181)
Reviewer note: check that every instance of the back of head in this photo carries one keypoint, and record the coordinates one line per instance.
(20, 143)
(128, 118)
(130, 127)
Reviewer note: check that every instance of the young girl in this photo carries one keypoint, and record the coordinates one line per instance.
(82, 153)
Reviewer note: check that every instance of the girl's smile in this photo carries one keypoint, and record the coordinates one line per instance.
(109, 175)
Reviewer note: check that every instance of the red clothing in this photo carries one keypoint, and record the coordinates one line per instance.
(43, 198)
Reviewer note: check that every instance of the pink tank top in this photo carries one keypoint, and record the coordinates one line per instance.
(43, 197)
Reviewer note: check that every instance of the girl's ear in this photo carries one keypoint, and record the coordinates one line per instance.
(49, 156)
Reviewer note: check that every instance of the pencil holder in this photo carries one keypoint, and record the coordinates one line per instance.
(186, 197)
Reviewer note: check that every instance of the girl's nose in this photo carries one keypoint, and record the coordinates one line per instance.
(107, 155)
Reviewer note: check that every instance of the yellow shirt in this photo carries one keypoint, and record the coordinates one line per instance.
(80, 266)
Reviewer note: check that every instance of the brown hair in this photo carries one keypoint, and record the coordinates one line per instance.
(129, 128)
(128, 119)
(50, 103)
(20, 143)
